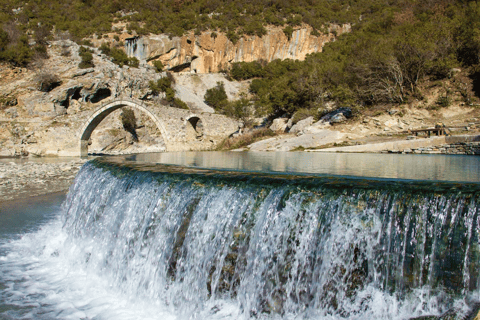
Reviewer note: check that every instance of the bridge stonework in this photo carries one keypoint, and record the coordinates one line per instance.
(182, 130)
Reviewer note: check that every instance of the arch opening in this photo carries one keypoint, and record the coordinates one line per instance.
(152, 132)
(194, 128)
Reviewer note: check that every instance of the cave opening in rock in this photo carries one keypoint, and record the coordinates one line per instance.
(100, 94)
(76, 94)
(181, 67)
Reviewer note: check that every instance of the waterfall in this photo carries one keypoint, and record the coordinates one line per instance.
(276, 246)
(135, 241)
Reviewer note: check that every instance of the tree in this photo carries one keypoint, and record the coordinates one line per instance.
(129, 122)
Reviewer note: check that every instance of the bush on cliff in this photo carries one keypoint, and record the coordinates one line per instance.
(46, 81)
(165, 85)
(86, 58)
(158, 65)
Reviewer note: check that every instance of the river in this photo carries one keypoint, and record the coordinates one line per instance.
(247, 236)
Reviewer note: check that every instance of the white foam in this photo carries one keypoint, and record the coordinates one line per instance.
(53, 277)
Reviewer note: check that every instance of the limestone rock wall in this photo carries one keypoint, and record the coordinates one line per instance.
(212, 52)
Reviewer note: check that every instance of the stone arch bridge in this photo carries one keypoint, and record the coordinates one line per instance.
(182, 130)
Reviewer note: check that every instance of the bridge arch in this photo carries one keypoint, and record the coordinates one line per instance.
(194, 126)
(102, 112)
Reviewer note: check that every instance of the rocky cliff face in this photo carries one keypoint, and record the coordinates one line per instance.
(212, 52)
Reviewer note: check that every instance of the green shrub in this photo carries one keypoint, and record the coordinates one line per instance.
(177, 103)
(314, 33)
(86, 43)
(158, 65)
(246, 70)
(288, 30)
(444, 101)
(238, 109)
(87, 58)
(16, 51)
(233, 36)
(164, 85)
(216, 97)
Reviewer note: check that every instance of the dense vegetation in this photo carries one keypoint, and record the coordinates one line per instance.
(83, 18)
(393, 47)
(384, 60)
(86, 57)
(86, 17)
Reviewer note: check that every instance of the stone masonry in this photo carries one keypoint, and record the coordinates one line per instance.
(181, 129)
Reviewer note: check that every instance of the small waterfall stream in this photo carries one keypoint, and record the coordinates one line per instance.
(242, 246)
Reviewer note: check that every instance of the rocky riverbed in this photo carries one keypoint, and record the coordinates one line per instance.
(20, 178)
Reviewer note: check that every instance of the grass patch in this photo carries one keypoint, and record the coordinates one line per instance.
(245, 139)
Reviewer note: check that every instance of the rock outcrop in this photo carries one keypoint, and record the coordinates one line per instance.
(213, 51)
(48, 123)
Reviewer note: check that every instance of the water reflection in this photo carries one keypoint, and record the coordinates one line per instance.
(392, 166)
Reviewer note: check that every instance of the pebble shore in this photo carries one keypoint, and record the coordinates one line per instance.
(21, 179)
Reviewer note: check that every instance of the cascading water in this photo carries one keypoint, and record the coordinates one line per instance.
(213, 245)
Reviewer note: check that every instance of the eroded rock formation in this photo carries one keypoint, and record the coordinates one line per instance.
(213, 51)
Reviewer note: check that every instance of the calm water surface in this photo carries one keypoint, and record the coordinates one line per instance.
(389, 166)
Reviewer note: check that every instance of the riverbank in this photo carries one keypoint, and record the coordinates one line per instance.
(22, 178)
(459, 144)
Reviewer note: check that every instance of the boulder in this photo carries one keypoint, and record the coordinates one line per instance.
(317, 127)
(289, 124)
(301, 125)
(337, 116)
(279, 125)
(260, 122)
